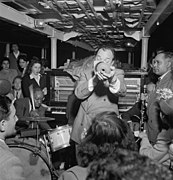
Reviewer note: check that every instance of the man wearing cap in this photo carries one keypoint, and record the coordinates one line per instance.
(162, 150)
(162, 66)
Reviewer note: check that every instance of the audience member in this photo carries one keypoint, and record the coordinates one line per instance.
(98, 90)
(23, 63)
(33, 77)
(13, 57)
(127, 165)
(16, 91)
(162, 66)
(152, 77)
(10, 165)
(106, 133)
(24, 108)
(6, 72)
(162, 150)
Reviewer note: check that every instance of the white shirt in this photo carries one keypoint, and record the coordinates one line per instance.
(37, 78)
(16, 54)
(114, 88)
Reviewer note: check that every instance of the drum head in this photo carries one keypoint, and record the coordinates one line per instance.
(34, 165)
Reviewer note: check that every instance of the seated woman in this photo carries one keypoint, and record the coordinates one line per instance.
(162, 150)
(6, 72)
(105, 134)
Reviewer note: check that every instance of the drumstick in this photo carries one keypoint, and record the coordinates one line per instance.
(32, 96)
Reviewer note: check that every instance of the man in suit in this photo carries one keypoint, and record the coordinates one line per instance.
(14, 57)
(10, 165)
(162, 66)
(24, 108)
(16, 91)
(98, 90)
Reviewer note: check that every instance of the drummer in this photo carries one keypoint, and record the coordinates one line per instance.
(24, 108)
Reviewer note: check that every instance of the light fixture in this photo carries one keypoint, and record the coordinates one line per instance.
(39, 23)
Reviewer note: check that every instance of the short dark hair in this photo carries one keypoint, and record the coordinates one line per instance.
(5, 59)
(167, 54)
(17, 77)
(5, 103)
(24, 57)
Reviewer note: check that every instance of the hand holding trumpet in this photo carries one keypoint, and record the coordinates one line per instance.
(105, 72)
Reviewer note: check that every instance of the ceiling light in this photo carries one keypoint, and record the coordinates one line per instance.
(39, 23)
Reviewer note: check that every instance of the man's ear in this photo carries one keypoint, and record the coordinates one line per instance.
(112, 63)
(3, 124)
(169, 64)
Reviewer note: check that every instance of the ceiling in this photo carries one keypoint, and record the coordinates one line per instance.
(89, 23)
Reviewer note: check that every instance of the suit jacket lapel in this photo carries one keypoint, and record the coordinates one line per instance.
(165, 79)
(160, 84)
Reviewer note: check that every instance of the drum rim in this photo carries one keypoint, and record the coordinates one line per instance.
(60, 128)
(30, 147)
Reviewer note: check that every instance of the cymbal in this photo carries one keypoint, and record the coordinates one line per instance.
(37, 119)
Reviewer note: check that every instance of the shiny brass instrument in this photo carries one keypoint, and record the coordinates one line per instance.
(143, 118)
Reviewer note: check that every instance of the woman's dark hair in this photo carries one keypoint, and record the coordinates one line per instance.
(127, 165)
(5, 103)
(106, 133)
(24, 57)
(106, 128)
(30, 65)
(5, 59)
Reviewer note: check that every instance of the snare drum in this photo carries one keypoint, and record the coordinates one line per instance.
(60, 137)
(34, 159)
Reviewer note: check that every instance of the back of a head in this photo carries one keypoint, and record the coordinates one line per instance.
(5, 103)
(106, 128)
(127, 165)
(105, 134)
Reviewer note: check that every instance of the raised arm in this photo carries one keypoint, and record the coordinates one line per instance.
(85, 85)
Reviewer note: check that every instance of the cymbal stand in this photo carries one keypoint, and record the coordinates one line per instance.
(47, 149)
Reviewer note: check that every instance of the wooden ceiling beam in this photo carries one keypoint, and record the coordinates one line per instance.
(163, 10)
(20, 19)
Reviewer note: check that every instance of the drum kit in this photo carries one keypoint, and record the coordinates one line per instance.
(35, 153)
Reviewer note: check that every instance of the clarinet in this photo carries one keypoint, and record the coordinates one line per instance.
(143, 109)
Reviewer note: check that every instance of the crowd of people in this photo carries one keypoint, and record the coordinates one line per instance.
(104, 145)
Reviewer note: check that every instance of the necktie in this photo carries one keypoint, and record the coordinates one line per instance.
(158, 81)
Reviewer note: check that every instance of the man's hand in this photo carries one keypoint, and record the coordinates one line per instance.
(142, 134)
(33, 113)
(102, 75)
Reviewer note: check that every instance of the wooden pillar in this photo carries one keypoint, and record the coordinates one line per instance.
(43, 53)
(129, 57)
(144, 54)
(73, 55)
(53, 53)
(7, 50)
